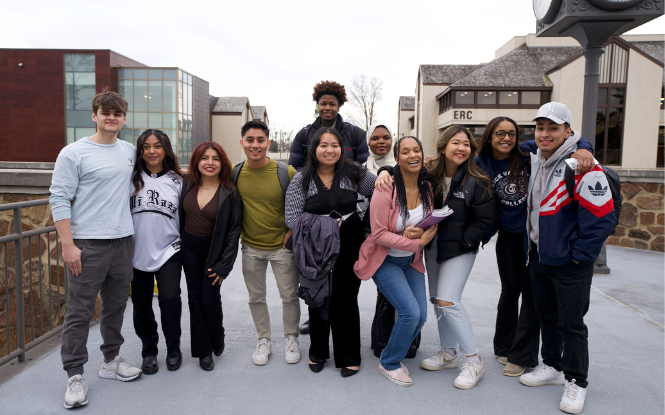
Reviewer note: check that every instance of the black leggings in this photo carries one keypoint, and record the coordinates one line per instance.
(205, 300)
(517, 335)
(170, 306)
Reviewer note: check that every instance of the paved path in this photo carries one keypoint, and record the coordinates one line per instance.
(626, 369)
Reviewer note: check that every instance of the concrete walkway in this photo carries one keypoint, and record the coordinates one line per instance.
(626, 368)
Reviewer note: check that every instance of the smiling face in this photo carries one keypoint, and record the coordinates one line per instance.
(501, 147)
(380, 141)
(550, 135)
(210, 164)
(328, 108)
(109, 120)
(255, 144)
(153, 154)
(410, 156)
(458, 149)
(329, 151)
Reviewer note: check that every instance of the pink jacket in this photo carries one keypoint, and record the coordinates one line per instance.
(383, 217)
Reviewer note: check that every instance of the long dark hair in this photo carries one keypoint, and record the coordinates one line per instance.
(438, 166)
(170, 160)
(516, 155)
(225, 172)
(424, 188)
(343, 168)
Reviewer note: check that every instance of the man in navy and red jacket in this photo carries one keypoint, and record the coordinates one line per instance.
(564, 238)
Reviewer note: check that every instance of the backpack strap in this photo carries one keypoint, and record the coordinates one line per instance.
(236, 172)
(569, 177)
(467, 188)
(304, 139)
(283, 175)
(351, 142)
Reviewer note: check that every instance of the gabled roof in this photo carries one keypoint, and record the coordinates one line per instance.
(521, 67)
(407, 103)
(654, 49)
(230, 104)
(212, 102)
(445, 74)
(258, 112)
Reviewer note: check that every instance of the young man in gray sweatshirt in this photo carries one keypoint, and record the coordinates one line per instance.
(89, 200)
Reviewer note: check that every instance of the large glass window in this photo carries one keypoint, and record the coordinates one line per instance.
(463, 97)
(508, 97)
(530, 97)
(80, 89)
(486, 98)
(609, 124)
(660, 157)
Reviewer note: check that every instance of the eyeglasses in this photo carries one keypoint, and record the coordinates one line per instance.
(502, 134)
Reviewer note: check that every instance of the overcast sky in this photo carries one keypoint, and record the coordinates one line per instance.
(275, 51)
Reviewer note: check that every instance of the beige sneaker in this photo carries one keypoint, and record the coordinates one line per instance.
(397, 376)
(503, 360)
(512, 370)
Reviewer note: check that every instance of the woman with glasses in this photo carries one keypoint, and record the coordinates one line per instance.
(157, 184)
(517, 334)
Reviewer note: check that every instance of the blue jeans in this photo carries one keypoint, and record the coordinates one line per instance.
(404, 287)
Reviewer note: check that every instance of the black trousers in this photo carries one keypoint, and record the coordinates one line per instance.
(170, 306)
(517, 334)
(344, 315)
(561, 294)
(204, 299)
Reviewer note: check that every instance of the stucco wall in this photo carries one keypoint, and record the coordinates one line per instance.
(640, 139)
(429, 108)
(226, 132)
(570, 90)
(404, 128)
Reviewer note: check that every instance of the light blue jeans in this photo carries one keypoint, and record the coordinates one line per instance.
(446, 283)
(404, 287)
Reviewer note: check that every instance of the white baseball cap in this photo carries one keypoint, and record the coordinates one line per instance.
(556, 112)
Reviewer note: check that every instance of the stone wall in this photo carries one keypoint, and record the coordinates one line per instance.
(642, 220)
(44, 288)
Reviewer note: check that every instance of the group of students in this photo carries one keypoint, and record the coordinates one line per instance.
(312, 222)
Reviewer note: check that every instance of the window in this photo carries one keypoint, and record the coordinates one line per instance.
(80, 89)
(445, 102)
(463, 98)
(486, 98)
(660, 162)
(530, 97)
(508, 97)
(411, 122)
(609, 125)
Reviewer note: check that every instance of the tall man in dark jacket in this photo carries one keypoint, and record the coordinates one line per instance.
(329, 96)
(565, 236)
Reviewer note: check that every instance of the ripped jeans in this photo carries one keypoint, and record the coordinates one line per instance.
(446, 283)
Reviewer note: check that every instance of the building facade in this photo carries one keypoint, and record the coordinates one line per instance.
(228, 115)
(46, 98)
(406, 117)
(529, 71)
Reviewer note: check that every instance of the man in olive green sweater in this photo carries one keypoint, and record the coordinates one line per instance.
(264, 236)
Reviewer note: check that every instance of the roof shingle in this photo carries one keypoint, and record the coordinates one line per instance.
(407, 103)
(445, 74)
(230, 104)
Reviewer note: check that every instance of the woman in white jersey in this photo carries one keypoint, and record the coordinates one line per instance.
(154, 204)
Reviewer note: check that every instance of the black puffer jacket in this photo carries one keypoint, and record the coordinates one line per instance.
(463, 231)
(226, 236)
(355, 135)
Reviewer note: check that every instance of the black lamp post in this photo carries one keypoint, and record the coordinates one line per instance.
(592, 23)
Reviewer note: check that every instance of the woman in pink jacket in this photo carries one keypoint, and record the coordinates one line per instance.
(392, 254)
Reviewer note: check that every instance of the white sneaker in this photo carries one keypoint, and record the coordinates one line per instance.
(470, 375)
(573, 397)
(77, 389)
(441, 360)
(120, 370)
(262, 352)
(542, 375)
(292, 350)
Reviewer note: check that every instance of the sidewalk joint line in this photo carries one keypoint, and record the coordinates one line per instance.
(656, 322)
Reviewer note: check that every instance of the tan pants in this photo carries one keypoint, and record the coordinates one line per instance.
(254, 266)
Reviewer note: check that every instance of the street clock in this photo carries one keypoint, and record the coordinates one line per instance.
(545, 10)
(615, 4)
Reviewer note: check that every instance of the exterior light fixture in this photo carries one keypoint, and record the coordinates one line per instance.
(20, 64)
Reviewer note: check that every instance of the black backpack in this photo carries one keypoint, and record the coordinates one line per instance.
(349, 133)
(282, 174)
(615, 187)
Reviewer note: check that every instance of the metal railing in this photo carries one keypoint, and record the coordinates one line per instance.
(17, 238)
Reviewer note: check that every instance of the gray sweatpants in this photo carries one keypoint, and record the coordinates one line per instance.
(107, 269)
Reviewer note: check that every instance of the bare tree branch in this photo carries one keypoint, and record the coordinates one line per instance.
(364, 94)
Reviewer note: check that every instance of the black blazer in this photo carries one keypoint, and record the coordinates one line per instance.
(463, 231)
(228, 225)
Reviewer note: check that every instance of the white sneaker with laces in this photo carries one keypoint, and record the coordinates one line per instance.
(573, 397)
(292, 350)
(262, 352)
(441, 360)
(77, 389)
(119, 369)
(542, 375)
(470, 375)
